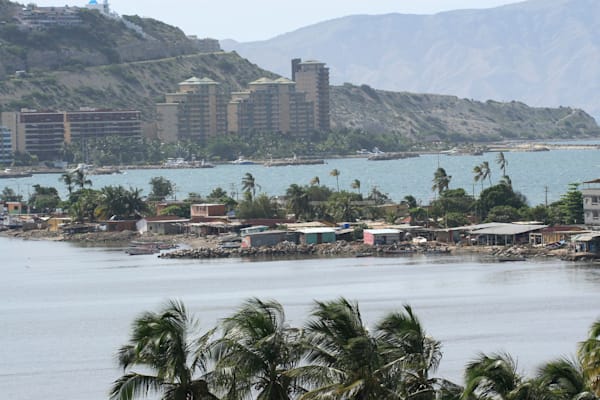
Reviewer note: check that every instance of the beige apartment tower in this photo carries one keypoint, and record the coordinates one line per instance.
(270, 106)
(312, 78)
(196, 112)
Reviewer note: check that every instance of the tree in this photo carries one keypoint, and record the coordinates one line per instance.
(336, 173)
(249, 184)
(9, 194)
(118, 202)
(347, 361)
(315, 181)
(261, 207)
(340, 207)
(589, 355)
(257, 351)
(441, 180)
(173, 361)
(161, 188)
(356, 185)
(502, 162)
(80, 178)
(410, 201)
(44, 199)
(67, 178)
(503, 214)
(83, 204)
(499, 195)
(297, 201)
(571, 205)
(491, 377)
(483, 172)
(565, 379)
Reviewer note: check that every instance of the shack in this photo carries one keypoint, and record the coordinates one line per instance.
(381, 236)
(317, 235)
(505, 234)
(162, 225)
(587, 243)
(268, 238)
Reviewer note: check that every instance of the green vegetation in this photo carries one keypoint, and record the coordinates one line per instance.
(256, 353)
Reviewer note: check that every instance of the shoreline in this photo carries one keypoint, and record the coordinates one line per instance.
(196, 247)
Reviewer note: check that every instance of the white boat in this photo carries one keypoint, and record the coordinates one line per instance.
(242, 161)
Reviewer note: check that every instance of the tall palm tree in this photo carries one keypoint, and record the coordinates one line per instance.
(173, 362)
(589, 356)
(478, 175)
(441, 180)
(67, 178)
(80, 178)
(249, 184)
(356, 185)
(486, 171)
(315, 181)
(336, 173)
(257, 351)
(502, 162)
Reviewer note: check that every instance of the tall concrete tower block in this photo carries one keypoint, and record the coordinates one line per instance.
(312, 78)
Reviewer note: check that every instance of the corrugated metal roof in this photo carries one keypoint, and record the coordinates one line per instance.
(308, 231)
(508, 229)
(382, 231)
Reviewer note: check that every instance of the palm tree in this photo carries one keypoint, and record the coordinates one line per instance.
(565, 379)
(172, 361)
(67, 178)
(589, 356)
(403, 338)
(336, 173)
(343, 356)
(356, 185)
(486, 171)
(298, 201)
(249, 184)
(257, 351)
(478, 175)
(491, 377)
(315, 181)
(441, 180)
(80, 179)
(502, 162)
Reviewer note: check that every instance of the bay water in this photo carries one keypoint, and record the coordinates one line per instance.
(540, 176)
(66, 309)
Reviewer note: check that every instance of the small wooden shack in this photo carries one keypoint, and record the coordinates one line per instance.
(381, 236)
(317, 235)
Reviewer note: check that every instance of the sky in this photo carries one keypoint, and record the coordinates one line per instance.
(250, 20)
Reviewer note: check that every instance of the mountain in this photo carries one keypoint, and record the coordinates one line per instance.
(134, 68)
(541, 52)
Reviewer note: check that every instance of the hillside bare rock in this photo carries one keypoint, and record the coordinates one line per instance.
(540, 52)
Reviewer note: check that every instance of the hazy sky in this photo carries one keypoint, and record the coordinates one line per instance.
(247, 20)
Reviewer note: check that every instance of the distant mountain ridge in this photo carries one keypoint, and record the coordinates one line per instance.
(541, 52)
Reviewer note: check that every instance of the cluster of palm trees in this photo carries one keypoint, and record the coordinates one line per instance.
(255, 353)
(483, 171)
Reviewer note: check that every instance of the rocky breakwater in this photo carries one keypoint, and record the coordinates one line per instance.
(287, 249)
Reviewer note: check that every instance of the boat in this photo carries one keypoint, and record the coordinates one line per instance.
(141, 250)
(204, 164)
(9, 174)
(242, 161)
(365, 254)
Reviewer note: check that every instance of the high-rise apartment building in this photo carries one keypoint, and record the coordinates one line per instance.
(270, 106)
(6, 147)
(312, 78)
(44, 133)
(197, 111)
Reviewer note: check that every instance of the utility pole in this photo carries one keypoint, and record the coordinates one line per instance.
(546, 195)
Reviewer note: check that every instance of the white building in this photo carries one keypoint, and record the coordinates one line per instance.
(102, 7)
(591, 203)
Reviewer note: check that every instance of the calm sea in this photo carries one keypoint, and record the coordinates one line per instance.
(65, 310)
(535, 174)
